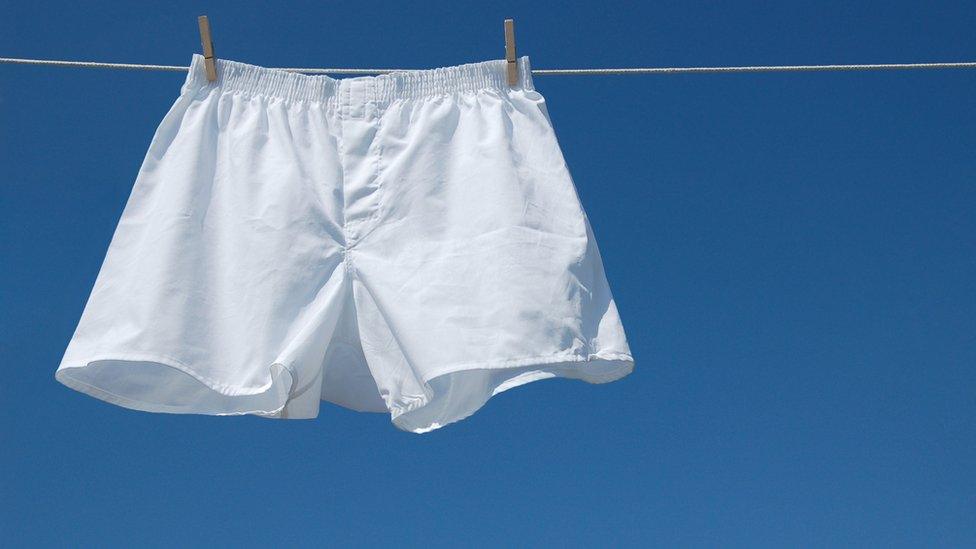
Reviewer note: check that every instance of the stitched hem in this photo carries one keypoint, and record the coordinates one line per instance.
(281, 376)
(222, 388)
(535, 369)
(545, 360)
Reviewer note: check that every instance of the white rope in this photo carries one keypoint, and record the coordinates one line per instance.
(93, 64)
(636, 70)
(762, 68)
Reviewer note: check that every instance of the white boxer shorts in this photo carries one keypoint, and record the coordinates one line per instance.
(410, 243)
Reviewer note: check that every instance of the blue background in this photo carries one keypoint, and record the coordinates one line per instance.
(793, 256)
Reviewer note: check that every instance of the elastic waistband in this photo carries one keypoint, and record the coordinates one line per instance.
(384, 88)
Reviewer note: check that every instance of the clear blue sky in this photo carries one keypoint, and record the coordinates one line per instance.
(793, 256)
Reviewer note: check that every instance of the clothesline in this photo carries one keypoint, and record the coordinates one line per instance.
(632, 70)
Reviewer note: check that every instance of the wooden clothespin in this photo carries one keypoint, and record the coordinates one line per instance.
(208, 49)
(512, 62)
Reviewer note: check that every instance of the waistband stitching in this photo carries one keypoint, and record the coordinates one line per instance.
(411, 84)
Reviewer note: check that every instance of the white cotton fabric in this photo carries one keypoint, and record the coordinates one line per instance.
(409, 243)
